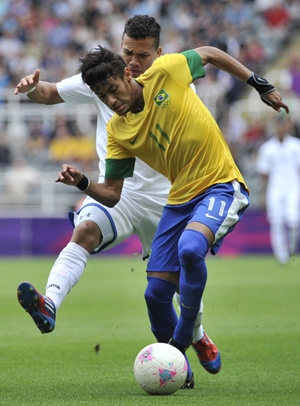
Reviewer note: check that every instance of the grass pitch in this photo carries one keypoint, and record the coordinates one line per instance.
(251, 311)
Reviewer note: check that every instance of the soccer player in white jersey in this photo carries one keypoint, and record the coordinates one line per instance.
(278, 162)
(97, 227)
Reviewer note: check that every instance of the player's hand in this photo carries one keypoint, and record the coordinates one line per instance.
(28, 82)
(69, 175)
(274, 100)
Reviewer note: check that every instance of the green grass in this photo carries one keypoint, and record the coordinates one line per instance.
(251, 311)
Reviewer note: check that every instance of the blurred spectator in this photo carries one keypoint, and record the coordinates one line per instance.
(22, 63)
(36, 148)
(232, 40)
(183, 18)
(277, 16)
(135, 7)
(254, 54)
(290, 76)
(210, 92)
(5, 152)
(4, 78)
(173, 41)
(91, 12)
(239, 14)
(52, 63)
(20, 180)
(255, 134)
(278, 162)
(10, 44)
(81, 32)
(70, 146)
(294, 11)
(4, 7)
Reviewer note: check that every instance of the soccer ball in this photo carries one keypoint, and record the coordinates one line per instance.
(160, 369)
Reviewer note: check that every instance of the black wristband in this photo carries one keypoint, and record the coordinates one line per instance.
(260, 84)
(83, 184)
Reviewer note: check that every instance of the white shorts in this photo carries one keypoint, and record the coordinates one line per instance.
(134, 214)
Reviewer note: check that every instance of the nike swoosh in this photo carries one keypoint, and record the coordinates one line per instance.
(133, 141)
(211, 217)
(187, 306)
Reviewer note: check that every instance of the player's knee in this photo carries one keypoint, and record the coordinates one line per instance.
(159, 291)
(88, 235)
(154, 291)
(192, 248)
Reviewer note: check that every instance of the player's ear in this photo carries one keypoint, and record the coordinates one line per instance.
(158, 52)
(127, 74)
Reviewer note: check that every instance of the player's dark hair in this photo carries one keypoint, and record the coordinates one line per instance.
(142, 27)
(99, 65)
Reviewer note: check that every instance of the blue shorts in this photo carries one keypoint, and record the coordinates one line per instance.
(220, 208)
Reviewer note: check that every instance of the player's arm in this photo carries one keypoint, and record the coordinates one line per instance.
(38, 91)
(225, 62)
(107, 193)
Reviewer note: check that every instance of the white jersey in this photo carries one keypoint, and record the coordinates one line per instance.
(281, 162)
(145, 179)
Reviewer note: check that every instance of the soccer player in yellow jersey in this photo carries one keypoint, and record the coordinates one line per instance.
(162, 121)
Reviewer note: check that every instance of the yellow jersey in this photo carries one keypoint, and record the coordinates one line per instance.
(175, 133)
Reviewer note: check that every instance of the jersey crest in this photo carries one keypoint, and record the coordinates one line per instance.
(161, 97)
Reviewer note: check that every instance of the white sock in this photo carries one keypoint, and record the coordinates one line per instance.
(66, 272)
(198, 329)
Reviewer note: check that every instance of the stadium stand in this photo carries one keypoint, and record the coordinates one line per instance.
(263, 34)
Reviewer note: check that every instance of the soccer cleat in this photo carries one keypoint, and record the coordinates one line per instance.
(208, 354)
(40, 307)
(179, 346)
(189, 383)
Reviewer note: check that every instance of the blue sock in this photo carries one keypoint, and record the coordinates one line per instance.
(189, 373)
(159, 298)
(192, 249)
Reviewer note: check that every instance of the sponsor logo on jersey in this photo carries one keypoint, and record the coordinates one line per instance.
(133, 141)
(161, 97)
